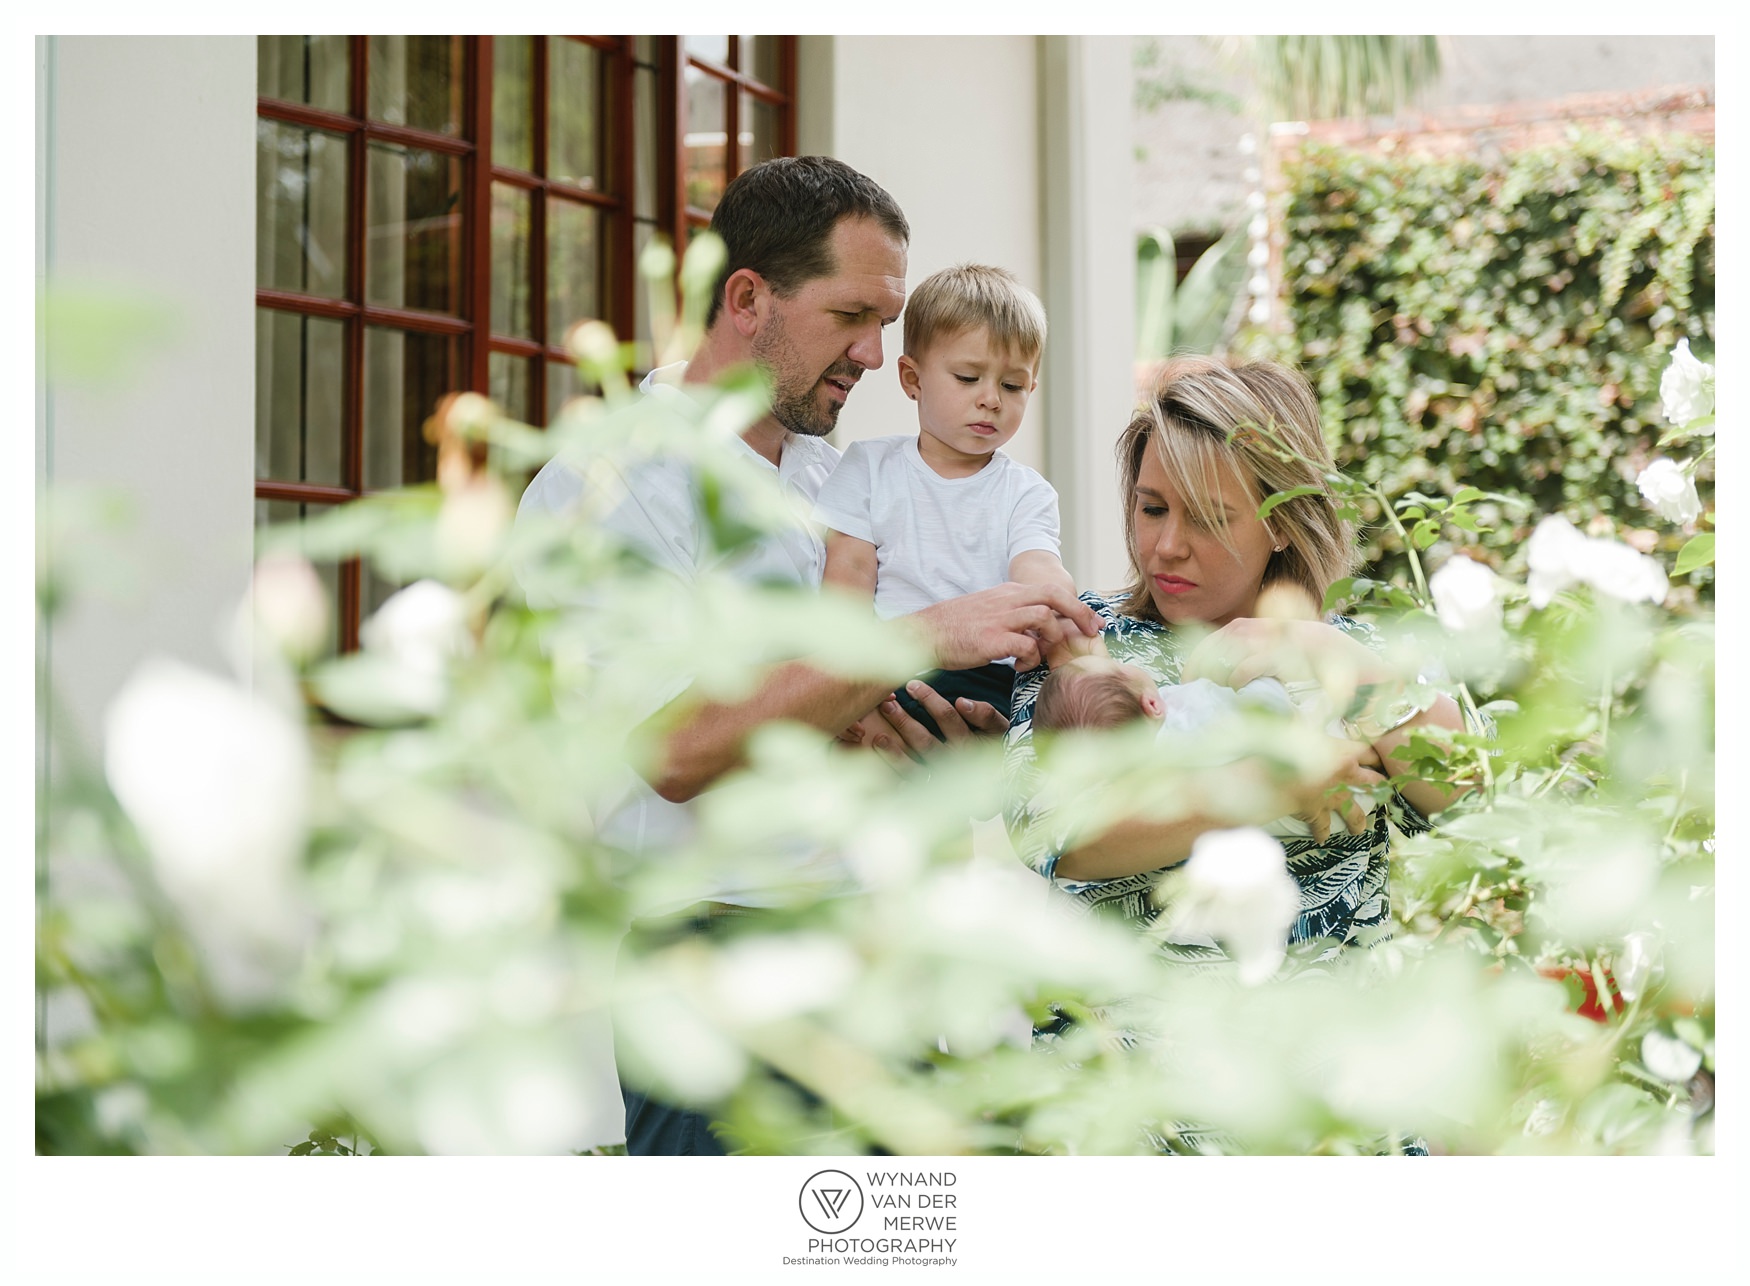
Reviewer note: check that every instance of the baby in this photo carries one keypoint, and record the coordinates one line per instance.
(1094, 691)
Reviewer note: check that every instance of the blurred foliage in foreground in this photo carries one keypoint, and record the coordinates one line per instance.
(257, 933)
(1501, 321)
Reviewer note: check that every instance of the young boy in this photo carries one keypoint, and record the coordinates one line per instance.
(916, 520)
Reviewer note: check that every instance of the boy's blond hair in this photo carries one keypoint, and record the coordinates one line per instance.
(976, 295)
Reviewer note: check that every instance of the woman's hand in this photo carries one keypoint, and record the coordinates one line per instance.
(1254, 647)
(1354, 764)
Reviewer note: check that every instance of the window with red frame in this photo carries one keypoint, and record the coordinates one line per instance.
(434, 212)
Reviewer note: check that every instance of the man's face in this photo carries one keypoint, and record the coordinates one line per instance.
(817, 343)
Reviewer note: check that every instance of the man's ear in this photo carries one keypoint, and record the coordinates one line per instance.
(908, 376)
(744, 300)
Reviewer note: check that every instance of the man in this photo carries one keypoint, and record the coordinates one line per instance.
(815, 270)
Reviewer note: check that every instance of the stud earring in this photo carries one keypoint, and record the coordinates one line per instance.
(1277, 548)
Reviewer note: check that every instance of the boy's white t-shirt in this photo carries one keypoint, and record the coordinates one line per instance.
(936, 538)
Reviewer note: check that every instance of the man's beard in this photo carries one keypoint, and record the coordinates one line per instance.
(796, 405)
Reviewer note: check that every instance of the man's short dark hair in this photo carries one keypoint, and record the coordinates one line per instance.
(777, 218)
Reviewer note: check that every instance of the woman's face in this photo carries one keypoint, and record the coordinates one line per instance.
(1189, 573)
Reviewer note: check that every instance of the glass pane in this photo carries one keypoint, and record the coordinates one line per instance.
(644, 50)
(563, 384)
(299, 363)
(285, 513)
(713, 48)
(704, 139)
(300, 209)
(759, 59)
(644, 131)
(513, 101)
(413, 228)
(759, 131)
(573, 265)
(416, 81)
(405, 375)
(509, 383)
(304, 69)
(574, 83)
(511, 266)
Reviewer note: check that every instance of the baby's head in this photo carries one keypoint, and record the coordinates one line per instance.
(1095, 692)
(974, 337)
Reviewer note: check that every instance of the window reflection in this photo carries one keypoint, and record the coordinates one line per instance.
(314, 70)
(416, 81)
(300, 209)
(405, 375)
(413, 251)
(298, 409)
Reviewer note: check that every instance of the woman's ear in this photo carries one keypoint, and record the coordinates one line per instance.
(744, 296)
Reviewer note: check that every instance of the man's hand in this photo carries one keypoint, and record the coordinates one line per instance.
(960, 721)
(1022, 621)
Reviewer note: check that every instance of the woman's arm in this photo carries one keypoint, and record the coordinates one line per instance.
(1133, 845)
(1251, 648)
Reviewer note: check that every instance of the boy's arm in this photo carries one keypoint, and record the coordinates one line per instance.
(850, 563)
(1041, 567)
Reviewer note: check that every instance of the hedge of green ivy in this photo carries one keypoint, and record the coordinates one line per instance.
(1502, 322)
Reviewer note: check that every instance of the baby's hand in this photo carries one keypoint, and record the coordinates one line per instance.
(1073, 644)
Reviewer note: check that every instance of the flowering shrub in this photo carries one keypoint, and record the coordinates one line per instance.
(403, 935)
(1500, 323)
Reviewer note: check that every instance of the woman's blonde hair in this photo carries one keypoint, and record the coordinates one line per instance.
(1206, 417)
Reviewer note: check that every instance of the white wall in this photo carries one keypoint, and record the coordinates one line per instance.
(145, 176)
(949, 126)
(996, 157)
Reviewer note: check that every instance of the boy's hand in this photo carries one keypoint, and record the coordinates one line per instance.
(1073, 644)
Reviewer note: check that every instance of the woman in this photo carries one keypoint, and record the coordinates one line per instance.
(1194, 470)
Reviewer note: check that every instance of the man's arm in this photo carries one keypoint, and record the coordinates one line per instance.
(698, 744)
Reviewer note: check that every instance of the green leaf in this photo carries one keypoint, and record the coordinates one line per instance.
(1425, 534)
(1282, 496)
(1699, 552)
(1464, 495)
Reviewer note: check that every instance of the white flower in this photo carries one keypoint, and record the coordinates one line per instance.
(1633, 964)
(1669, 1058)
(1466, 596)
(1687, 387)
(1558, 556)
(290, 606)
(1670, 490)
(1236, 888)
(421, 629)
(215, 780)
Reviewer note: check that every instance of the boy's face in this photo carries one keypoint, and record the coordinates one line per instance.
(970, 395)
